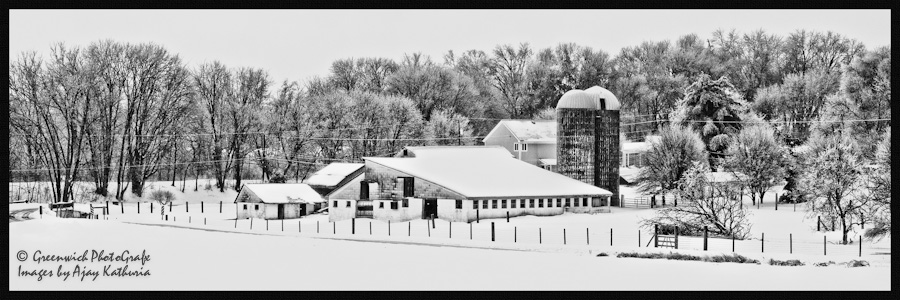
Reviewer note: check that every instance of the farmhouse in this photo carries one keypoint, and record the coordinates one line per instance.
(460, 184)
(531, 141)
(276, 201)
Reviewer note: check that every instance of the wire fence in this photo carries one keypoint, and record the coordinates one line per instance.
(221, 215)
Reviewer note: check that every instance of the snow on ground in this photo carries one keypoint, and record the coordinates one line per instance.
(232, 261)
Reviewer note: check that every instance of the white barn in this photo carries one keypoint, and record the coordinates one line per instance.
(276, 201)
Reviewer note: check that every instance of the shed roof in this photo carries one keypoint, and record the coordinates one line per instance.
(332, 174)
(488, 172)
(529, 131)
(282, 193)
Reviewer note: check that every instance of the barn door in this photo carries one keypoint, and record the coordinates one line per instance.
(430, 209)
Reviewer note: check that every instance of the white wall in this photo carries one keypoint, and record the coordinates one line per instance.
(341, 211)
(401, 214)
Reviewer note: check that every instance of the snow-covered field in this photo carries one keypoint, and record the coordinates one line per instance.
(397, 249)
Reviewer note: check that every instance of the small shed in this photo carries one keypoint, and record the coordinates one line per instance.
(276, 201)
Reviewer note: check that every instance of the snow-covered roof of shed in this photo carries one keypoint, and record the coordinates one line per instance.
(635, 147)
(489, 172)
(333, 174)
(720, 176)
(282, 192)
(547, 161)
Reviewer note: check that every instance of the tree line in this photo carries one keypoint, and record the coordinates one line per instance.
(129, 113)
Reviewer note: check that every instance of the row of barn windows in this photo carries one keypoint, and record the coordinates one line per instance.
(394, 204)
(560, 202)
(255, 206)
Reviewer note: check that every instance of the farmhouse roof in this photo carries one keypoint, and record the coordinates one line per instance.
(485, 172)
(528, 131)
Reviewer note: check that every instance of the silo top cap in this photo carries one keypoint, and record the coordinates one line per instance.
(589, 99)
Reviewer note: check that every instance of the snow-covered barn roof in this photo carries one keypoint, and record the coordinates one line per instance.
(332, 174)
(281, 193)
(629, 174)
(718, 176)
(486, 172)
(529, 131)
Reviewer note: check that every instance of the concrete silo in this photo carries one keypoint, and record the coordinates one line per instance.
(588, 138)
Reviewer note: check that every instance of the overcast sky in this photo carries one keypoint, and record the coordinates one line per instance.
(299, 44)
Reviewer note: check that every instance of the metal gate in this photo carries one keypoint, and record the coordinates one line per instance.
(636, 202)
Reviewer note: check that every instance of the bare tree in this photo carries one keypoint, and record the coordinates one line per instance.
(214, 84)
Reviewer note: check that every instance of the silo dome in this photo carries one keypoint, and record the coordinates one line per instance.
(578, 99)
(612, 103)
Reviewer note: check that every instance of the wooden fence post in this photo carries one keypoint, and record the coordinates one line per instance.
(220, 207)
(299, 226)
(639, 238)
(201, 207)
(352, 225)
(676, 236)
(791, 243)
(470, 230)
(251, 222)
(138, 207)
(282, 223)
(762, 244)
(204, 223)
(860, 246)
(818, 223)
(477, 216)
(121, 206)
(564, 236)
(587, 235)
(824, 246)
(655, 235)
(515, 235)
(732, 242)
(493, 238)
(450, 230)
(409, 229)
(776, 201)
(151, 207)
(170, 206)
(705, 237)
(317, 226)
(539, 236)
(267, 224)
(370, 227)
(235, 221)
(610, 237)
(428, 227)
(186, 207)
(507, 216)
(389, 227)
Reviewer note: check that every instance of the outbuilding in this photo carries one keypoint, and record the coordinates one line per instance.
(276, 201)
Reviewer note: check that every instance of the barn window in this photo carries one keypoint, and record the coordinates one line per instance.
(558, 202)
(256, 206)
(575, 201)
(474, 204)
(405, 202)
(334, 204)
(381, 204)
(348, 203)
(245, 206)
(484, 204)
(584, 202)
(524, 147)
(568, 202)
(540, 202)
(493, 203)
(458, 204)
(503, 203)
(531, 203)
(512, 203)
(394, 204)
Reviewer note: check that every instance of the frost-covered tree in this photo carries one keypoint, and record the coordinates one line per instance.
(879, 209)
(545, 114)
(447, 128)
(162, 197)
(715, 109)
(714, 205)
(676, 151)
(756, 153)
(834, 181)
